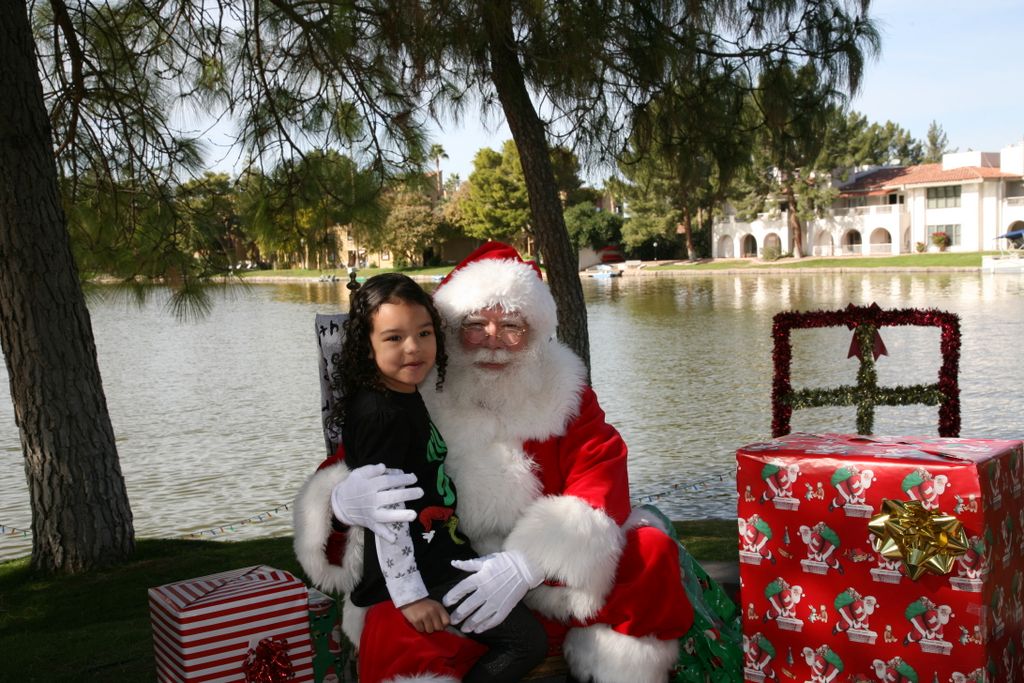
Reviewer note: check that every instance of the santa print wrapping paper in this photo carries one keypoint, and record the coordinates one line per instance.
(820, 605)
(204, 628)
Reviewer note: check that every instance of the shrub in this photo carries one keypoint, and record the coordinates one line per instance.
(921, 247)
(771, 253)
(941, 240)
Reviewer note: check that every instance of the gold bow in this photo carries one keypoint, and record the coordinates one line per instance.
(924, 540)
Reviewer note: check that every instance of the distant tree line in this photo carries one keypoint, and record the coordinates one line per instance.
(291, 216)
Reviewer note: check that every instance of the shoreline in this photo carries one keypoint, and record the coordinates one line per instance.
(787, 270)
(643, 272)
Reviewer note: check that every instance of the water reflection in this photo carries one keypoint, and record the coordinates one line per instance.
(218, 420)
(683, 365)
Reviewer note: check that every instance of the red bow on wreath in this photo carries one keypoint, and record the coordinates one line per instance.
(877, 345)
(269, 662)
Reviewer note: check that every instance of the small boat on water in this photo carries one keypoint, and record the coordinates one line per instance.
(1002, 264)
(1010, 259)
(603, 272)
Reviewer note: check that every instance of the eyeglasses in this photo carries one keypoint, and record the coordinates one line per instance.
(508, 333)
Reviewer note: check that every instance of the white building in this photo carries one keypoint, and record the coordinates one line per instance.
(971, 196)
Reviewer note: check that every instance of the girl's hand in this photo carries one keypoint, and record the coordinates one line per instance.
(426, 615)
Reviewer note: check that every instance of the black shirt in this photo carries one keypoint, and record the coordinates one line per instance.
(395, 429)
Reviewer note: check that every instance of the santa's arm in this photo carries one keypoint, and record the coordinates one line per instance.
(330, 553)
(575, 537)
(337, 496)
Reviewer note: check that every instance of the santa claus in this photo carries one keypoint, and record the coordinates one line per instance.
(851, 485)
(543, 496)
(853, 611)
(894, 671)
(921, 485)
(825, 664)
(782, 599)
(927, 620)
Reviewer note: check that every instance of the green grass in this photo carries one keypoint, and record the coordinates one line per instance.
(709, 539)
(95, 626)
(927, 260)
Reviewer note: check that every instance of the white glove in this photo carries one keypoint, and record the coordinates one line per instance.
(500, 581)
(362, 499)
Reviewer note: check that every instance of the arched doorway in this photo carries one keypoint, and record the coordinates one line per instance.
(725, 247)
(772, 246)
(852, 242)
(881, 241)
(749, 247)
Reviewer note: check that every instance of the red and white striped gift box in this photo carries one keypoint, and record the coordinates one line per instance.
(203, 629)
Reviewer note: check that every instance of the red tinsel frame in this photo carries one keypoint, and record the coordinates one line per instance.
(855, 317)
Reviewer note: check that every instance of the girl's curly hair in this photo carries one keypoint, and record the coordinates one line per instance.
(354, 368)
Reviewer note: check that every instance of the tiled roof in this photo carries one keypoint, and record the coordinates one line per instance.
(933, 173)
(893, 177)
(875, 180)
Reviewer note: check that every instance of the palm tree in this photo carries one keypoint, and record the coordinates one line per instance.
(437, 153)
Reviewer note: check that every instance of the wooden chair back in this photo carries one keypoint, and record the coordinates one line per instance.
(329, 335)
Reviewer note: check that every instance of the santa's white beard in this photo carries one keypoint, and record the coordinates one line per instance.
(501, 391)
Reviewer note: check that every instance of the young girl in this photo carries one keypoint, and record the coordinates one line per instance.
(392, 341)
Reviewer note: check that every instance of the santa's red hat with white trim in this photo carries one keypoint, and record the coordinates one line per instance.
(496, 275)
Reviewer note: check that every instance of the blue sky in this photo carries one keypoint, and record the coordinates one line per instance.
(945, 60)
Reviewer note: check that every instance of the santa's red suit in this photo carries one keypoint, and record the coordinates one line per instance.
(539, 471)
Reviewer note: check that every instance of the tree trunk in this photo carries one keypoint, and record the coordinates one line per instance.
(795, 227)
(545, 206)
(80, 513)
(687, 226)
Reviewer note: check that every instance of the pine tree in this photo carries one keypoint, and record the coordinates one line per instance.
(936, 144)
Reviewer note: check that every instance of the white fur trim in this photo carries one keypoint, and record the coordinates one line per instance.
(496, 482)
(575, 544)
(312, 526)
(423, 678)
(641, 518)
(607, 656)
(513, 285)
(352, 619)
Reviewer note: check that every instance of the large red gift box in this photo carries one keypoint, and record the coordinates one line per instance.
(820, 605)
(205, 629)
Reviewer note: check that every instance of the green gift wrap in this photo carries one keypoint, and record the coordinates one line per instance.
(712, 650)
(333, 660)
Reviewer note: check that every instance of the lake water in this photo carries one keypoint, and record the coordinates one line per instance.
(218, 421)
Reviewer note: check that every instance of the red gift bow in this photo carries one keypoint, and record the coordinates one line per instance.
(877, 345)
(269, 662)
